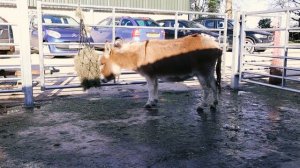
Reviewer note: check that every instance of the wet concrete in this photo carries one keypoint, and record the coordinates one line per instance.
(257, 127)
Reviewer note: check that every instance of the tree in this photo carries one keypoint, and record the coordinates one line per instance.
(289, 3)
(228, 9)
(265, 23)
(213, 6)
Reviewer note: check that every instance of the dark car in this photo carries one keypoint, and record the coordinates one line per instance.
(103, 32)
(252, 37)
(65, 29)
(6, 36)
(199, 29)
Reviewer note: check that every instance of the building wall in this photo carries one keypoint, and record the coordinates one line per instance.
(150, 4)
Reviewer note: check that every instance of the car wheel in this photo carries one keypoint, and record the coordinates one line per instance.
(249, 49)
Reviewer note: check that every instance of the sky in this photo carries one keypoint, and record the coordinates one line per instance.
(252, 5)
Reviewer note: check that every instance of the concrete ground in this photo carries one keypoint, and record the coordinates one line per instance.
(108, 127)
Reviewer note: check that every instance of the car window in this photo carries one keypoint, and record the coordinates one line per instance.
(59, 19)
(164, 23)
(181, 25)
(210, 24)
(126, 22)
(146, 22)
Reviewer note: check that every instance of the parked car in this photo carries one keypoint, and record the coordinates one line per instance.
(170, 33)
(68, 32)
(103, 33)
(6, 36)
(252, 37)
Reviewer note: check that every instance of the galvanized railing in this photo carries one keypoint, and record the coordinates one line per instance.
(22, 67)
(256, 67)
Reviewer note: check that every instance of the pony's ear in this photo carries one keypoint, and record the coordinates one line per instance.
(118, 44)
(107, 50)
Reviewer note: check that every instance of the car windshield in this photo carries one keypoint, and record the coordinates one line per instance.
(146, 22)
(55, 19)
(192, 24)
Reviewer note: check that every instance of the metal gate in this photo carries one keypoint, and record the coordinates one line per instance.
(275, 64)
(15, 66)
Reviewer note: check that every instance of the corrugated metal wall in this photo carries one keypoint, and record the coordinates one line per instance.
(150, 4)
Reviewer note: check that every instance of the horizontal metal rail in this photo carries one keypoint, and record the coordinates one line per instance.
(10, 66)
(257, 60)
(271, 56)
(10, 56)
(272, 66)
(8, 24)
(265, 29)
(263, 46)
(288, 77)
(10, 79)
(273, 86)
(10, 90)
(10, 44)
(271, 11)
(59, 65)
(59, 76)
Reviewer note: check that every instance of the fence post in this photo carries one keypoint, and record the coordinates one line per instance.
(235, 67)
(23, 24)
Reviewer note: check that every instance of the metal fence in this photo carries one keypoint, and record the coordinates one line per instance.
(278, 66)
(20, 71)
(46, 79)
(60, 80)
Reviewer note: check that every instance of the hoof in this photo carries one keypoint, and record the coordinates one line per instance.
(147, 106)
(200, 109)
(151, 104)
(213, 108)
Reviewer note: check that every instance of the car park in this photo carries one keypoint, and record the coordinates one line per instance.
(57, 29)
(252, 37)
(103, 32)
(6, 36)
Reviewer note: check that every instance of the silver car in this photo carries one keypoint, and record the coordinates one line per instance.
(6, 36)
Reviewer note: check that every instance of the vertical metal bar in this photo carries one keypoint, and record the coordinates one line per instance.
(23, 25)
(224, 46)
(236, 51)
(176, 25)
(242, 46)
(92, 16)
(114, 26)
(41, 45)
(286, 41)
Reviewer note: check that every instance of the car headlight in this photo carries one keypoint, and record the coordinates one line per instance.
(54, 34)
(260, 36)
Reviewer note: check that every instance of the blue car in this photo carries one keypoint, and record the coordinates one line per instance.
(103, 33)
(68, 32)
